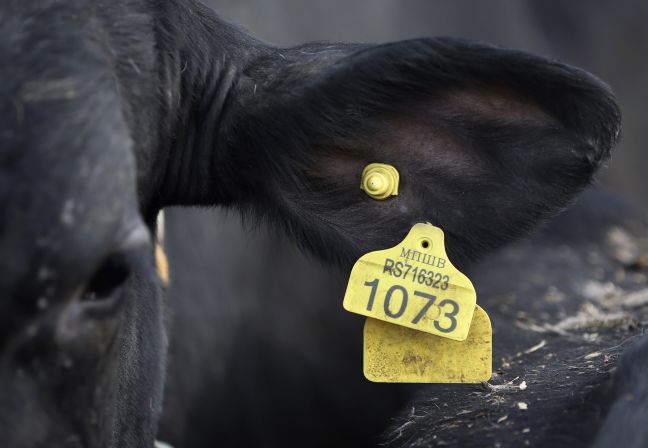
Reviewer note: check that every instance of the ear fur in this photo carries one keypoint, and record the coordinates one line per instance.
(488, 142)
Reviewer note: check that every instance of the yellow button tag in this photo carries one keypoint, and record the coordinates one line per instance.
(395, 354)
(380, 181)
(414, 285)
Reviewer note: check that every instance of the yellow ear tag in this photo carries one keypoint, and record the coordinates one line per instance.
(161, 261)
(395, 354)
(380, 181)
(162, 264)
(413, 285)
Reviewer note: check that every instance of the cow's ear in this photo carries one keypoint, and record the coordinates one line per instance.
(488, 142)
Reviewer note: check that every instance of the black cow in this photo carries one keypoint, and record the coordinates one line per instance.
(113, 110)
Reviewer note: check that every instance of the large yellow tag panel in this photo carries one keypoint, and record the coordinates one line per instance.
(395, 354)
(413, 285)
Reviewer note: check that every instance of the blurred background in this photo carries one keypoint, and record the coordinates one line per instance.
(608, 38)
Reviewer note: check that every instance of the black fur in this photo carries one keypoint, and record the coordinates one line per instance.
(349, 105)
(277, 361)
(112, 110)
(560, 327)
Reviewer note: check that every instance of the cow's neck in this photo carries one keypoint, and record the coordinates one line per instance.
(206, 69)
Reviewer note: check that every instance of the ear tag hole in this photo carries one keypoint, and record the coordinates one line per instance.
(425, 244)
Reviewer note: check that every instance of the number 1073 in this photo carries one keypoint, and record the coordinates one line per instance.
(450, 321)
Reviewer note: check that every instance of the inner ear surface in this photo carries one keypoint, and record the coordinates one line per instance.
(495, 103)
(438, 131)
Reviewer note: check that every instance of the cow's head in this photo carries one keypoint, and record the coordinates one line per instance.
(111, 110)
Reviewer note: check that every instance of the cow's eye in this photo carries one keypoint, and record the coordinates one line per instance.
(110, 276)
